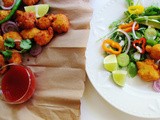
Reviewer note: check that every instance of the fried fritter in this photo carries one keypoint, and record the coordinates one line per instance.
(51, 17)
(8, 3)
(1, 43)
(43, 23)
(44, 36)
(25, 20)
(2, 64)
(29, 33)
(61, 23)
(30, 2)
(148, 70)
(16, 58)
(14, 35)
(154, 51)
(4, 14)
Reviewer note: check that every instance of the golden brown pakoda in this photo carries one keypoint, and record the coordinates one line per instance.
(60, 23)
(2, 64)
(1, 43)
(154, 52)
(44, 36)
(16, 57)
(29, 33)
(148, 70)
(15, 36)
(51, 17)
(8, 3)
(25, 20)
(30, 2)
(43, 23)
(4, 14)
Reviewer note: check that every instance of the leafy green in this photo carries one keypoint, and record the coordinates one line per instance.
(157, 40)
(25, 45)
(151, 42)
(114, 24)
(152, 10)
(7, 54)
(130, 2)
(9, 42)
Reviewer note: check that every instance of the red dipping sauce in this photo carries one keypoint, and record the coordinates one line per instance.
(18, 84)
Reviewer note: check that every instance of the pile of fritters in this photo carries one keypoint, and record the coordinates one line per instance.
(40, 30)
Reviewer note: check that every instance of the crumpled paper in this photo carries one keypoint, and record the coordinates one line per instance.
(59, 69)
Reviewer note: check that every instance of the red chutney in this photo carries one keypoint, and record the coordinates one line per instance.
(18, 84)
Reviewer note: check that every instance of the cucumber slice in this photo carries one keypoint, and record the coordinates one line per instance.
(132, 69)
(150, 34)
(123, 59)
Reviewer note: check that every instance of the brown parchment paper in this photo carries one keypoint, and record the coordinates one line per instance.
(59, 69)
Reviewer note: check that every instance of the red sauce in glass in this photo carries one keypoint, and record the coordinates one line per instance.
(15, 84)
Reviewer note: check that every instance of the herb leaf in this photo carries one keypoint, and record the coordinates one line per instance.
(152, 10)
(7, 54)
(114, 24)
(26, 44)
(9, 42)
(130, 2)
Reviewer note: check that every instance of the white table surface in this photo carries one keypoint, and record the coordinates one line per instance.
(93, 106)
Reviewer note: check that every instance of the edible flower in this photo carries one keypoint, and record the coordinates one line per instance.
(128, 27)
(111, 46)
(136, 9)
(140, 45)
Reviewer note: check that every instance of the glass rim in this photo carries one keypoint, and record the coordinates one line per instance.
(28, 85)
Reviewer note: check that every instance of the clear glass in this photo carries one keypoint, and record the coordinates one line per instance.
(17, 84)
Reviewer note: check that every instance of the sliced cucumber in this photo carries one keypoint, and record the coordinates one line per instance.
(132, 69)
(123, 59)
(150, 33)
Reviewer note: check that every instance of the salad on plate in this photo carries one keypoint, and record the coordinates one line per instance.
(133, 46)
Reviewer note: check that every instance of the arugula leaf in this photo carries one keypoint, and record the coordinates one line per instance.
(130, 2)
(26, 44)
(114, 24)
(152, 10)
(7, 54)
(9, 42)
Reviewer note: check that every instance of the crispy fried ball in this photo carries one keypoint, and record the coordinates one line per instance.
(25, 20)
(154, 51)
(2, 63)
(43, 23)
(61, 23)
(8, 3)
(29, 33)
(148, 70)
(44, 36)
(30, 2)
(1, 43)
(4, 14)
(15, 36)
(16, 58)
(51, 17)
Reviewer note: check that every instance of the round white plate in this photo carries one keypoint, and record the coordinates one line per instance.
(136, 97)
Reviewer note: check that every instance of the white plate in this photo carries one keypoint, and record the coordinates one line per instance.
(136, 97)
